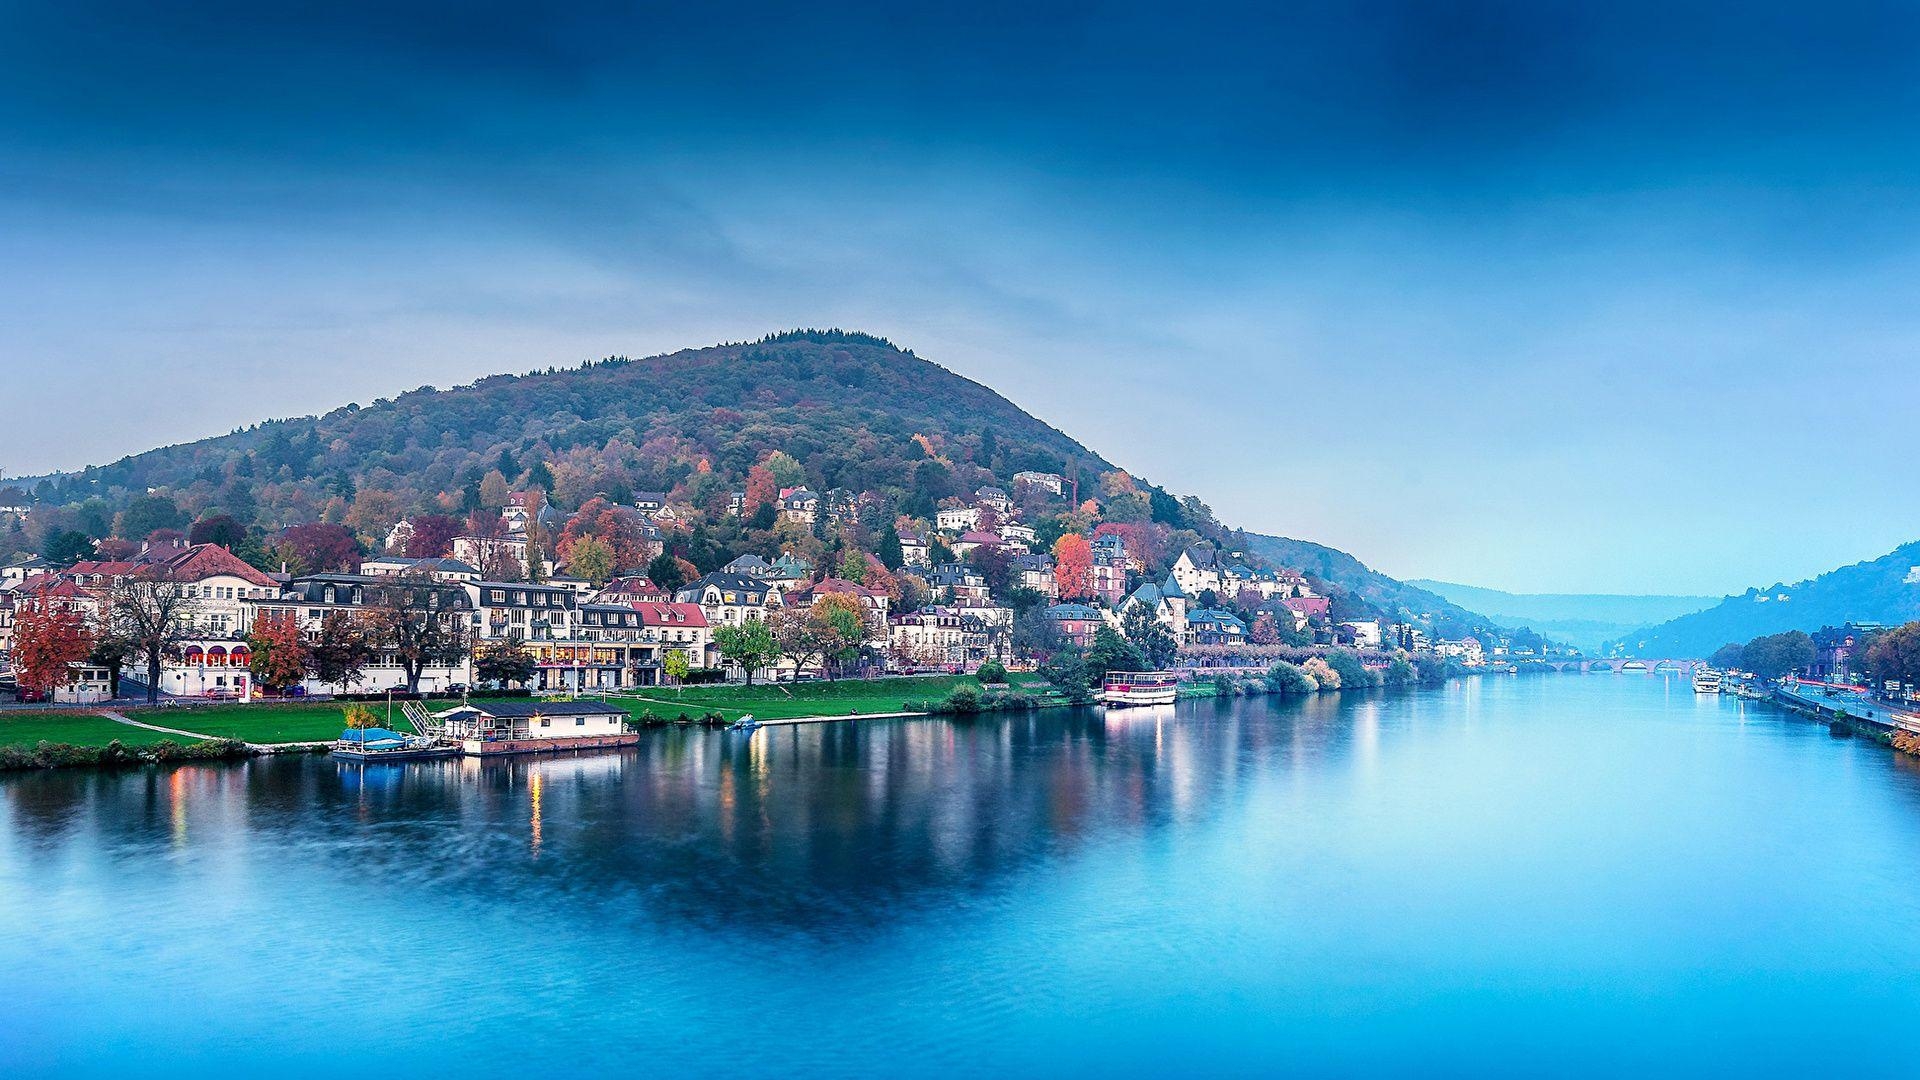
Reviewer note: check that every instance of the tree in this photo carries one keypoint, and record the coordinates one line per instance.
(1111, 652)
(843, 627)
(1264, 631)
(1895, 655)
(422, 623)
(150, 614)
(674, 665)
(590, 557)
(147, 513)
(1347, 664)
(343, 650)
(750, 644)
(853, 567)
(1285, 678)
(762, 490)
(1773, 655)
(494, 489)
(993, 671)
(46, 639)
(359, 717)
(220, 529)
(319, 547)
(786, 470)
(65, 547)
(505, 661)
(536, 501)
(1726, 657)
(666, 572)
(432, 536)
(1149, 636)
(1067, 672)
(801, 637)
(1073, 566)
(1321, 672)
(891, 555)
(279, 652)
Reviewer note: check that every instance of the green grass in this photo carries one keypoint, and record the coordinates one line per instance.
(30, 729)
(787, 701)
(263, 723)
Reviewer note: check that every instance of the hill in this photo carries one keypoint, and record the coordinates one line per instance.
(1387, 596)
(1585, 620)
(1884, 590)
(824, 409)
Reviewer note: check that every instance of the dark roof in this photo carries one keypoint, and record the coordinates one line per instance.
(517, 709)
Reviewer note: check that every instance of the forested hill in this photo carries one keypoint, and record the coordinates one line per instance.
(829, 410)
(1884, 590)
(848, 405)
(1386, 595)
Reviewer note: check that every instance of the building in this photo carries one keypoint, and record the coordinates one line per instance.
(799, 505)
(449, 570)
(957, 581)
(678, 627)
(957, 519)
(994, 497)
(493, 556)
(1034, 573)
(974, 538)
(629, 590)
(1168, 604)
(937, 636)
(1212, 626)
(1361, 633)
(1108, 574)
(521, 727)
(913, 548)
(730, 599)
(307, 601)
(1052, 482)
(1467, 650)
(1198, 570)
(1077, 623)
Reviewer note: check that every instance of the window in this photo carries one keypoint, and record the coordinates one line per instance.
(579, 721)
(544, 722)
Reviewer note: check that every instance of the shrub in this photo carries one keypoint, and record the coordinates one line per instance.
(993, 671)
(1322, 673)
(963, 699)
(1285, 678)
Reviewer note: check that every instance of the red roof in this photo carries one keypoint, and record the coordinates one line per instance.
(202, 561)
(979, 537)
(667, 613)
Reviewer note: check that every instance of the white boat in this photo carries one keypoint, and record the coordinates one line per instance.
(1123, 688)
(1706, 681)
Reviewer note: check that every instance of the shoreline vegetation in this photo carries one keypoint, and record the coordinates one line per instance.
(47, 739)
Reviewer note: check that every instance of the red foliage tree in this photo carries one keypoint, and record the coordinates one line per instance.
(322, 547)
(47, 638)
(762, 489)
(280, 653)
(1073, 566)
(619, 527)
(432, 536)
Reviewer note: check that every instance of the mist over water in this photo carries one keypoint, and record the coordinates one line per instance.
(1571, 873)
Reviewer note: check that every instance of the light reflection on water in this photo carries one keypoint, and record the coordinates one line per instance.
(1509, 875)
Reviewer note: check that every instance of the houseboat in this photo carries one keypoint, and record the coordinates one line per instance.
(486, 728)
(1123, 688)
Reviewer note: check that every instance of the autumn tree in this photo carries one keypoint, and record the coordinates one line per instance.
(46, 639)
(220, 529)
(318, 547)
(421, 623)
(589, 557)
(1895, 655)
(343, 650)
(1073, 566)
(279, 652)
(432, 536)
(150, 614)
(762, 490)
(504, 662)
(842, 620)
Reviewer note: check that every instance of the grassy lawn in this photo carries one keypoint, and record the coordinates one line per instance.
(263, 723)
(787, 700)
(28, 729)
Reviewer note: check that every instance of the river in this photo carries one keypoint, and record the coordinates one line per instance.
(1566, 874)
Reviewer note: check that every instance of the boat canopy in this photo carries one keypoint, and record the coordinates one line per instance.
(373, 738)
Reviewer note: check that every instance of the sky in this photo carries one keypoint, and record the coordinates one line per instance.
(1557, 298)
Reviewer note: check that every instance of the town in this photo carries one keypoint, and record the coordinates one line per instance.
(771, 581)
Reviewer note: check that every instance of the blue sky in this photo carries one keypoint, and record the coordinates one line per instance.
(1532, 296)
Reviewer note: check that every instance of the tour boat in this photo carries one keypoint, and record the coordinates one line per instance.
(1123, 688)
(1706, 681)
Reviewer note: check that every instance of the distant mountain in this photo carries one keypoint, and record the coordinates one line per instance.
(1392, 597)
(1884, 590)
(1585, 620)
(850, 410)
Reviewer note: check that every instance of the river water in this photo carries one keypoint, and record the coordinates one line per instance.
(1566, 874)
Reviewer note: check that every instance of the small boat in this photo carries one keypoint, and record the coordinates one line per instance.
(1706, 681)
(746, 723)
(380, 744)
(1123, 688)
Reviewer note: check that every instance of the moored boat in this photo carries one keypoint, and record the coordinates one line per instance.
(1706, 681)
(1123, 688)
(380, 744)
